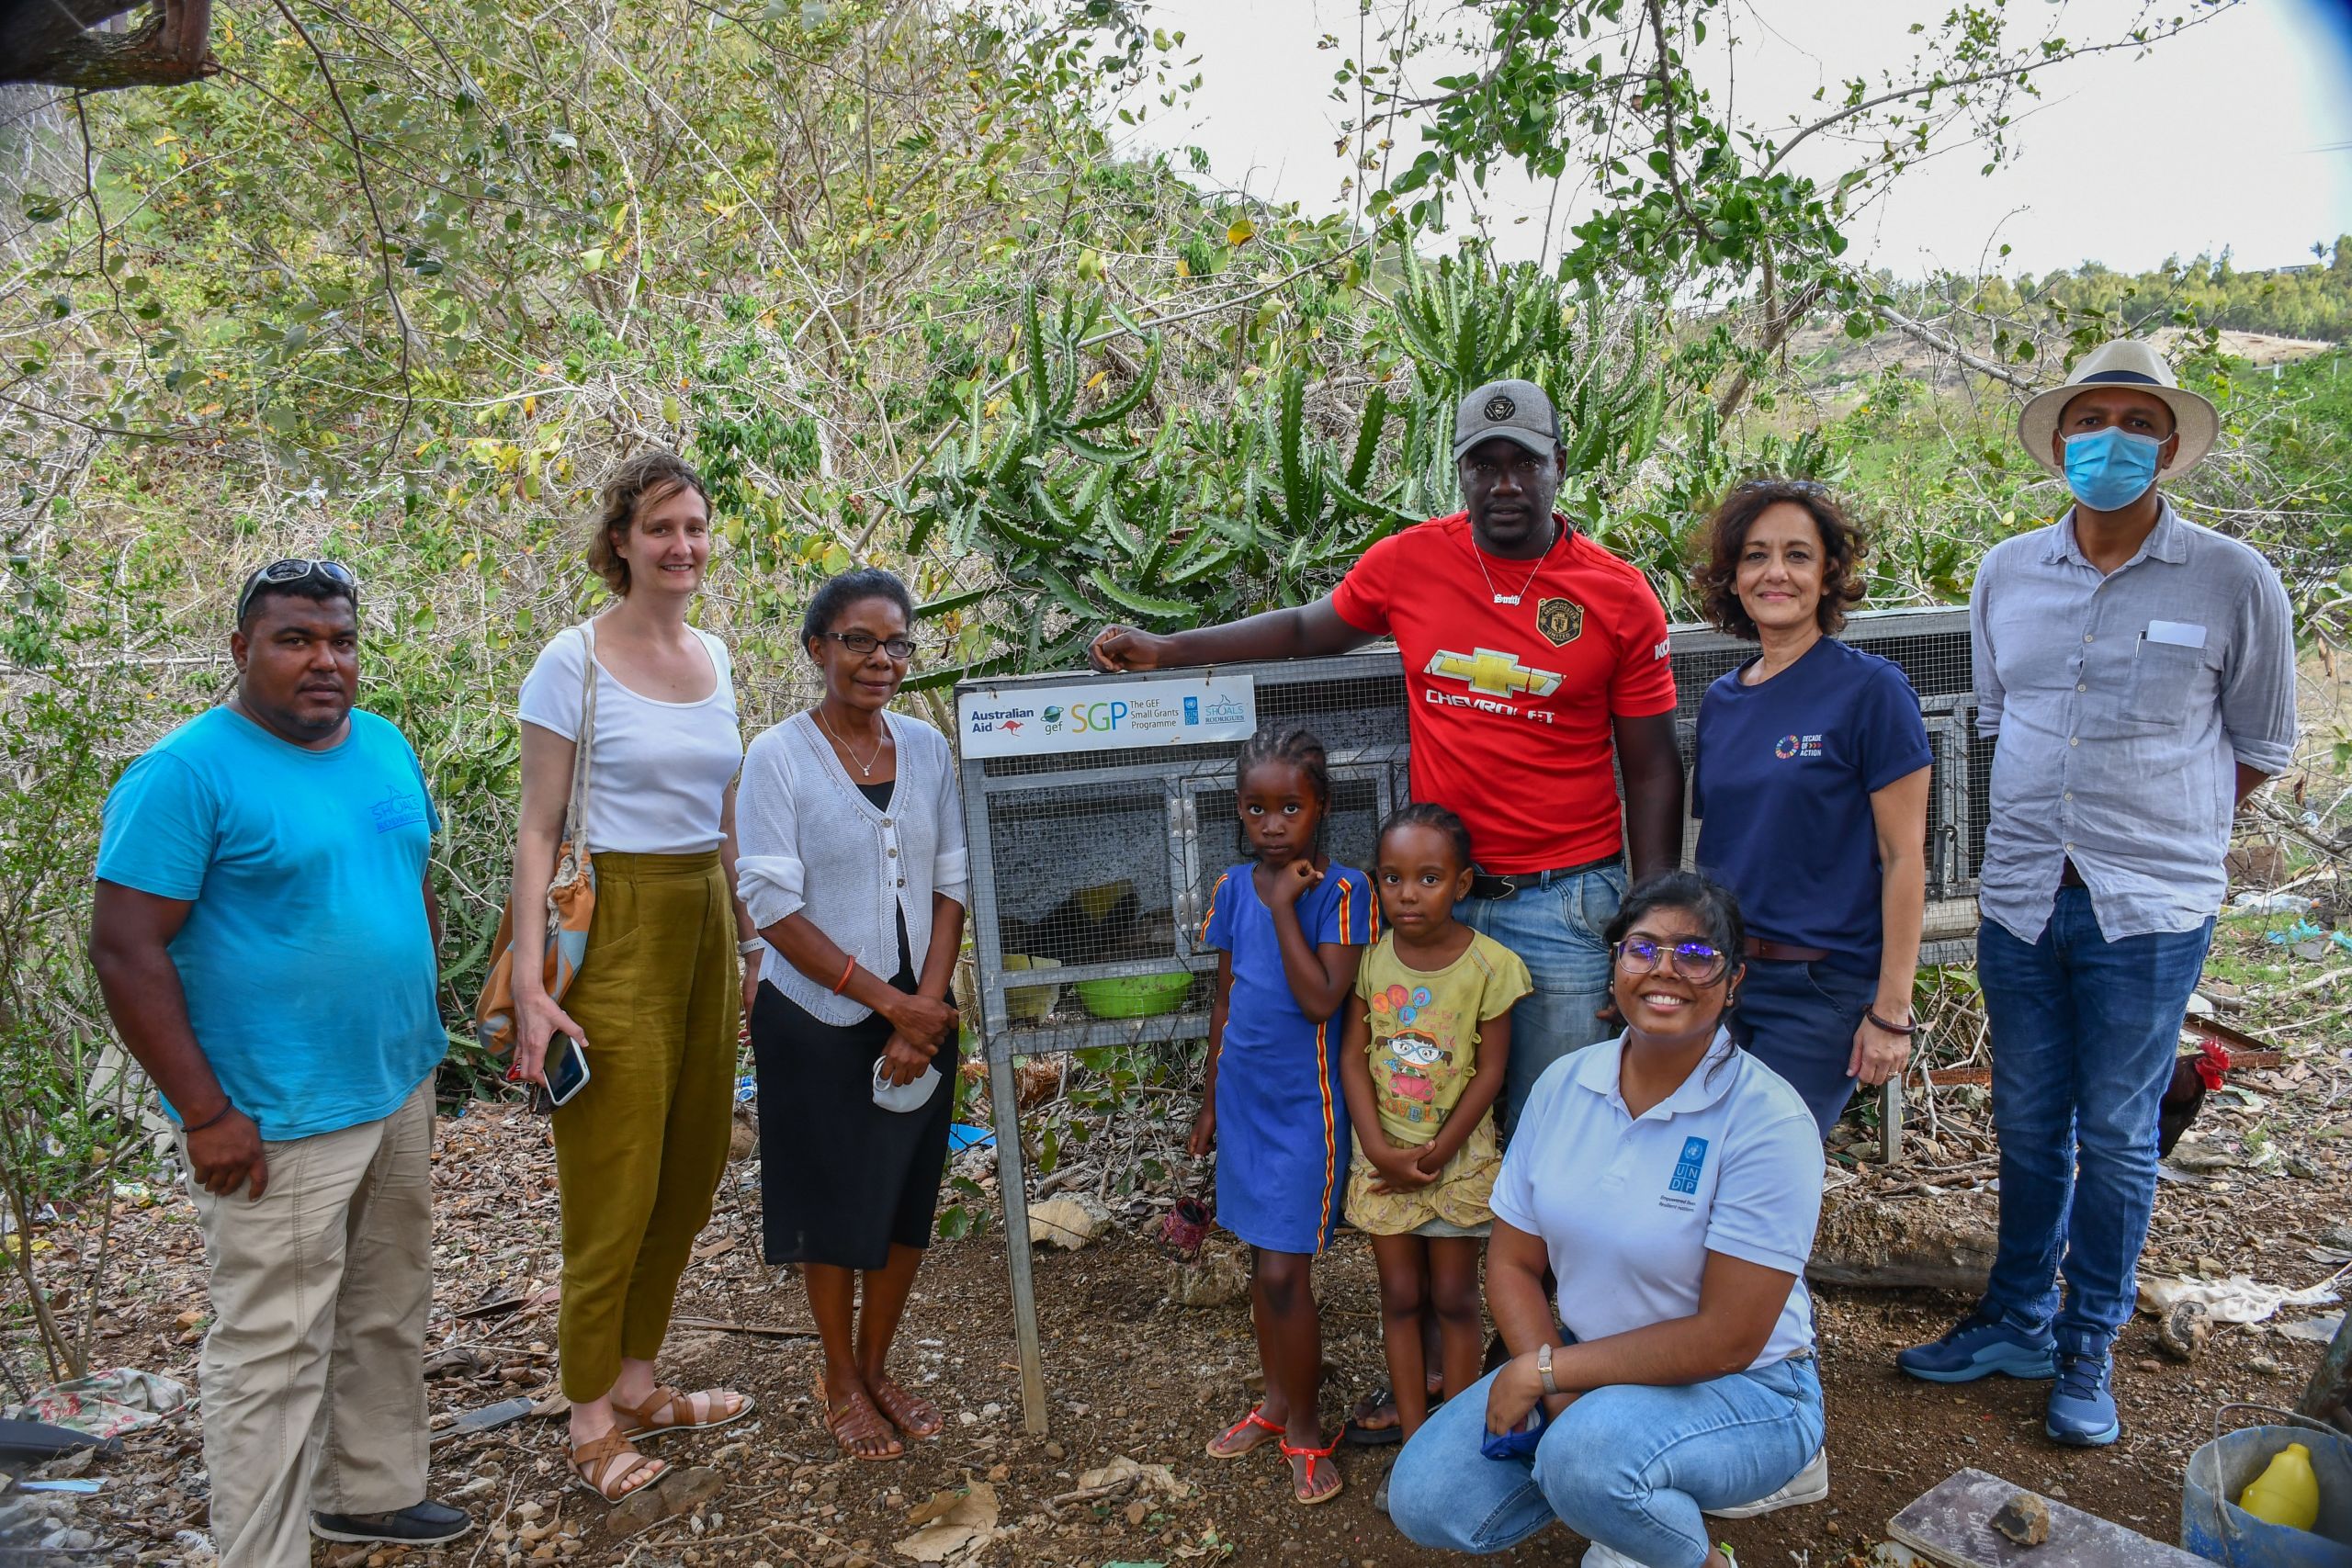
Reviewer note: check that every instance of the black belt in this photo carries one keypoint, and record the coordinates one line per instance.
(1784, 951)
(2068, 876)
(1489, 885)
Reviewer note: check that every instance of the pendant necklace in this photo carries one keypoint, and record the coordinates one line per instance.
(866, 767)
(1480, 557)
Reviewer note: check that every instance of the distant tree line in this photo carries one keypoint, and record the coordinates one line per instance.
(2313, 300)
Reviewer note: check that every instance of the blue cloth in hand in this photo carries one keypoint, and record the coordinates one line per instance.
(1521, 1440)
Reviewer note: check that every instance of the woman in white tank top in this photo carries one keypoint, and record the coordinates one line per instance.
(655, 1005)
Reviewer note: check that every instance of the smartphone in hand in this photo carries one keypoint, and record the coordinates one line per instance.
(566, 1069)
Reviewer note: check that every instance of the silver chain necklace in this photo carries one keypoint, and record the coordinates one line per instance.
(866, 767)
(1480, 557)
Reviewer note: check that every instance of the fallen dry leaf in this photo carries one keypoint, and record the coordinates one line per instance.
(1154, 1477)
(967, 1522)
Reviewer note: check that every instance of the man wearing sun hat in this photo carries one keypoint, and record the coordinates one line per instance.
(2138, 671)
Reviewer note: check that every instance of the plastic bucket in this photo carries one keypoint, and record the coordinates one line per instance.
(2214, 1527)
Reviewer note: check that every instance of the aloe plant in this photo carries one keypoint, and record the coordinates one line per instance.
(1078, 522)
(1081, 524)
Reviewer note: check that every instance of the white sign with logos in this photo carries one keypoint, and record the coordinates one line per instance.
(1106, 715)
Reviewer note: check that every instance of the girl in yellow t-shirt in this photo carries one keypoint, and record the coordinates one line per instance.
(1428, 1041)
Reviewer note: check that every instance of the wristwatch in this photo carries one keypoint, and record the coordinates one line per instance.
(1544, 1369)
(749, 945)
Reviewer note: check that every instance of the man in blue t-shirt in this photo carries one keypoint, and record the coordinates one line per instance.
(264, 932)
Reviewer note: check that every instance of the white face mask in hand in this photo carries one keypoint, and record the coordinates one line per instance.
(912, 1095)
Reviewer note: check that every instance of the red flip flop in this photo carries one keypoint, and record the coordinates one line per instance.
(1308, 1499)
(1255, 1418)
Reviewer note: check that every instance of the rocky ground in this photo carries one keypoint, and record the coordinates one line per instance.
(1138, 1380)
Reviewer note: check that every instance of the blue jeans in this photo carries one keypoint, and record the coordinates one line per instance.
(2085, 1032)
(1799, 1019)
(1556, 930)
(1629, 1467)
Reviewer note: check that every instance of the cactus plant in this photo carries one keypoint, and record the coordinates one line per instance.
(1465, 325)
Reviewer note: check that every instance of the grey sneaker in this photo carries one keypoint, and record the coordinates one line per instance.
(1598, 1556)
(1810, 1485)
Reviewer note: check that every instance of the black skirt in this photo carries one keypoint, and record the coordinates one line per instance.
(840, 1178)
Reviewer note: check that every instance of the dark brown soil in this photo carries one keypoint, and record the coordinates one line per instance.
(1131, 1374)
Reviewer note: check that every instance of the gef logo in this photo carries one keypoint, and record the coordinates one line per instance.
(1686, 1168)
(1101, 717)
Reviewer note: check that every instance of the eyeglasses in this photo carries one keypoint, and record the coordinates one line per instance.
(864, 643)
(293, 569)
(1701, 962)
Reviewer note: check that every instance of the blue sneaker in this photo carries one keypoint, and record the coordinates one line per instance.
(1979, 1345)
(2082, 1410)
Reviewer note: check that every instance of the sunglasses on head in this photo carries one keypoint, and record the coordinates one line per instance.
(292, 570)
(1701, 962)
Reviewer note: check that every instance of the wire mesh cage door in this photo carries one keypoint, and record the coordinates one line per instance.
(1362, 798)
(1090, 876)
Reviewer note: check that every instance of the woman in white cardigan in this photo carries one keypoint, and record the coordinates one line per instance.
(854, 869)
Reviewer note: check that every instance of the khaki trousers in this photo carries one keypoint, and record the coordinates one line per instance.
(313, 1383)
(639, 1150)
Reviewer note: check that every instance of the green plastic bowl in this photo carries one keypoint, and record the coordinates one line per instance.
(1135, 996)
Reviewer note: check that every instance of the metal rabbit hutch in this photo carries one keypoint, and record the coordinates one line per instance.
(1099, 810)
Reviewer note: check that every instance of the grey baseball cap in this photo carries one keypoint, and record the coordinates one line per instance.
(1516, 411)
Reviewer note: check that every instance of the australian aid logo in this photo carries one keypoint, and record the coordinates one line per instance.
(1492, 676)
(1007, 720)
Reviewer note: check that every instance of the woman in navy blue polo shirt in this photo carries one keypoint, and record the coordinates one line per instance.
(1818, 756)
(1671, 1184)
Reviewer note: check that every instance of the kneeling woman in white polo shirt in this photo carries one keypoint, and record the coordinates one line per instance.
(1671, 1182)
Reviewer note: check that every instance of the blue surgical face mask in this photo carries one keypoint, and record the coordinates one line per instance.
(2109, 469)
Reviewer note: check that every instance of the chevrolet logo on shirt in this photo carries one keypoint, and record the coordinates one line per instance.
(1493, 672)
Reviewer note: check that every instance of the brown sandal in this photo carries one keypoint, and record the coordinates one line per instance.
(667, 1410)
(610, 1468)
(855, 1420)
(909, 1412)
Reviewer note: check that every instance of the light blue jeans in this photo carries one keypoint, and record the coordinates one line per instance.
(1629, 1467)
(1556, 928)
(2085, 1032)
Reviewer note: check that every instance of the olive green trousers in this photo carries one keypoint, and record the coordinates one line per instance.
(639, 1150)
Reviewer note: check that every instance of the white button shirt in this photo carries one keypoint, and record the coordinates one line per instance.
(1629, 1207)
(2123, 703)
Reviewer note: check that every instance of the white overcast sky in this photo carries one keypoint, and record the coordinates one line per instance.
(2237, 134)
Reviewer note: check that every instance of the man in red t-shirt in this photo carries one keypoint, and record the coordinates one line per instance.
(1533, 658)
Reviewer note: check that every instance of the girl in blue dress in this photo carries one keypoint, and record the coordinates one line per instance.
(1290, 929)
